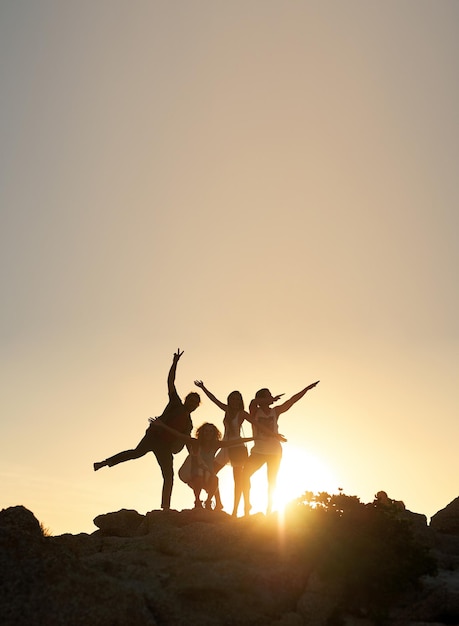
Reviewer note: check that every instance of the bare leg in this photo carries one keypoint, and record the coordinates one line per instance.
(211, 486)
(238, 471)
(254, 462)
(218, 501)
(196, 485)
(273, 466)
(165, 460)
(142, 448)
(197, 498)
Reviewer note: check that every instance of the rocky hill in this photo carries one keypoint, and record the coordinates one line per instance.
(205, 568)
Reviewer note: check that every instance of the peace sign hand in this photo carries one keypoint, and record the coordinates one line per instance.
(177, 355)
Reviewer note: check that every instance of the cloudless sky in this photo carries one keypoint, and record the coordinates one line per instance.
(270, 186)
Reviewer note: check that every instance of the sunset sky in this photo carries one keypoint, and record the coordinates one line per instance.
(271, 186)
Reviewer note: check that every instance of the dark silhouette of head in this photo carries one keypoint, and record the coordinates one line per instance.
(208, 431)
(264, 397)
(235, 401)
(192, 401)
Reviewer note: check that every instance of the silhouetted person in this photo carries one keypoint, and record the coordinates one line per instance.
(162, 443)
(202, 449)
(237, 454)
(267, 449)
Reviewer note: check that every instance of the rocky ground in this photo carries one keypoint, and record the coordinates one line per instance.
(196, 567)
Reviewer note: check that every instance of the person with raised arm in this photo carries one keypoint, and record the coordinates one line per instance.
(237, 455)
(200, 474)
(163, 444)
(267, 449)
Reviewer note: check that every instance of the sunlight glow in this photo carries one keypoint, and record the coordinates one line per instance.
(300, 471)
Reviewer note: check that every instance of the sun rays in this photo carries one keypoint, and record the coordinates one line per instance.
(300, 471)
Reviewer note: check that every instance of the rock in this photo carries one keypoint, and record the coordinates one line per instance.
(124, 523)
(437, 602)
(318, 602)
(199, 568)
(383, 499)
(42, 583)
(194, 567)
(17, 520)
(447, 520)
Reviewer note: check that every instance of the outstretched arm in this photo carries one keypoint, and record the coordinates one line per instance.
(289, 403)
(160, 424)
(171, 378)
(210, 395)
(268, 432)
(227, 443)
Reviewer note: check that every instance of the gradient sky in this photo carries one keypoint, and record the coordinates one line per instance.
(270, 186)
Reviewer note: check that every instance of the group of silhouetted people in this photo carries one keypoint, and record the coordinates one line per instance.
(209, 451)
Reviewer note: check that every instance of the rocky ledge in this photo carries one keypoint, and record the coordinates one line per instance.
(198, 567)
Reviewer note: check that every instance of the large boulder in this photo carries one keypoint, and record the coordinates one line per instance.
(19, 521)
(44, 584)
(123, 523)
(447, 519)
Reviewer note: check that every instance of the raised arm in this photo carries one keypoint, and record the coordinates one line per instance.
(210, 395)
(171, 377)
(289, 403)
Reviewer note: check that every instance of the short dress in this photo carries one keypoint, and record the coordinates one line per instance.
(198, 464)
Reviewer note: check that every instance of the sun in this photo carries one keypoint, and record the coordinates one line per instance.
(300, 471)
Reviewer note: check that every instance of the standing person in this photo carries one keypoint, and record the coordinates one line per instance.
(163, 444)
(202, 448)
(237, 455)
(267, 449)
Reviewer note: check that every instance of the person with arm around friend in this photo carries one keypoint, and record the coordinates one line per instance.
(201, 473)
(237, 455)
(163, 444)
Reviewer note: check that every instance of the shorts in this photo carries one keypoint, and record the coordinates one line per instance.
(238, 455)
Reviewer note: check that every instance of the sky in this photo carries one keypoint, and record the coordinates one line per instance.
(269, 186)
